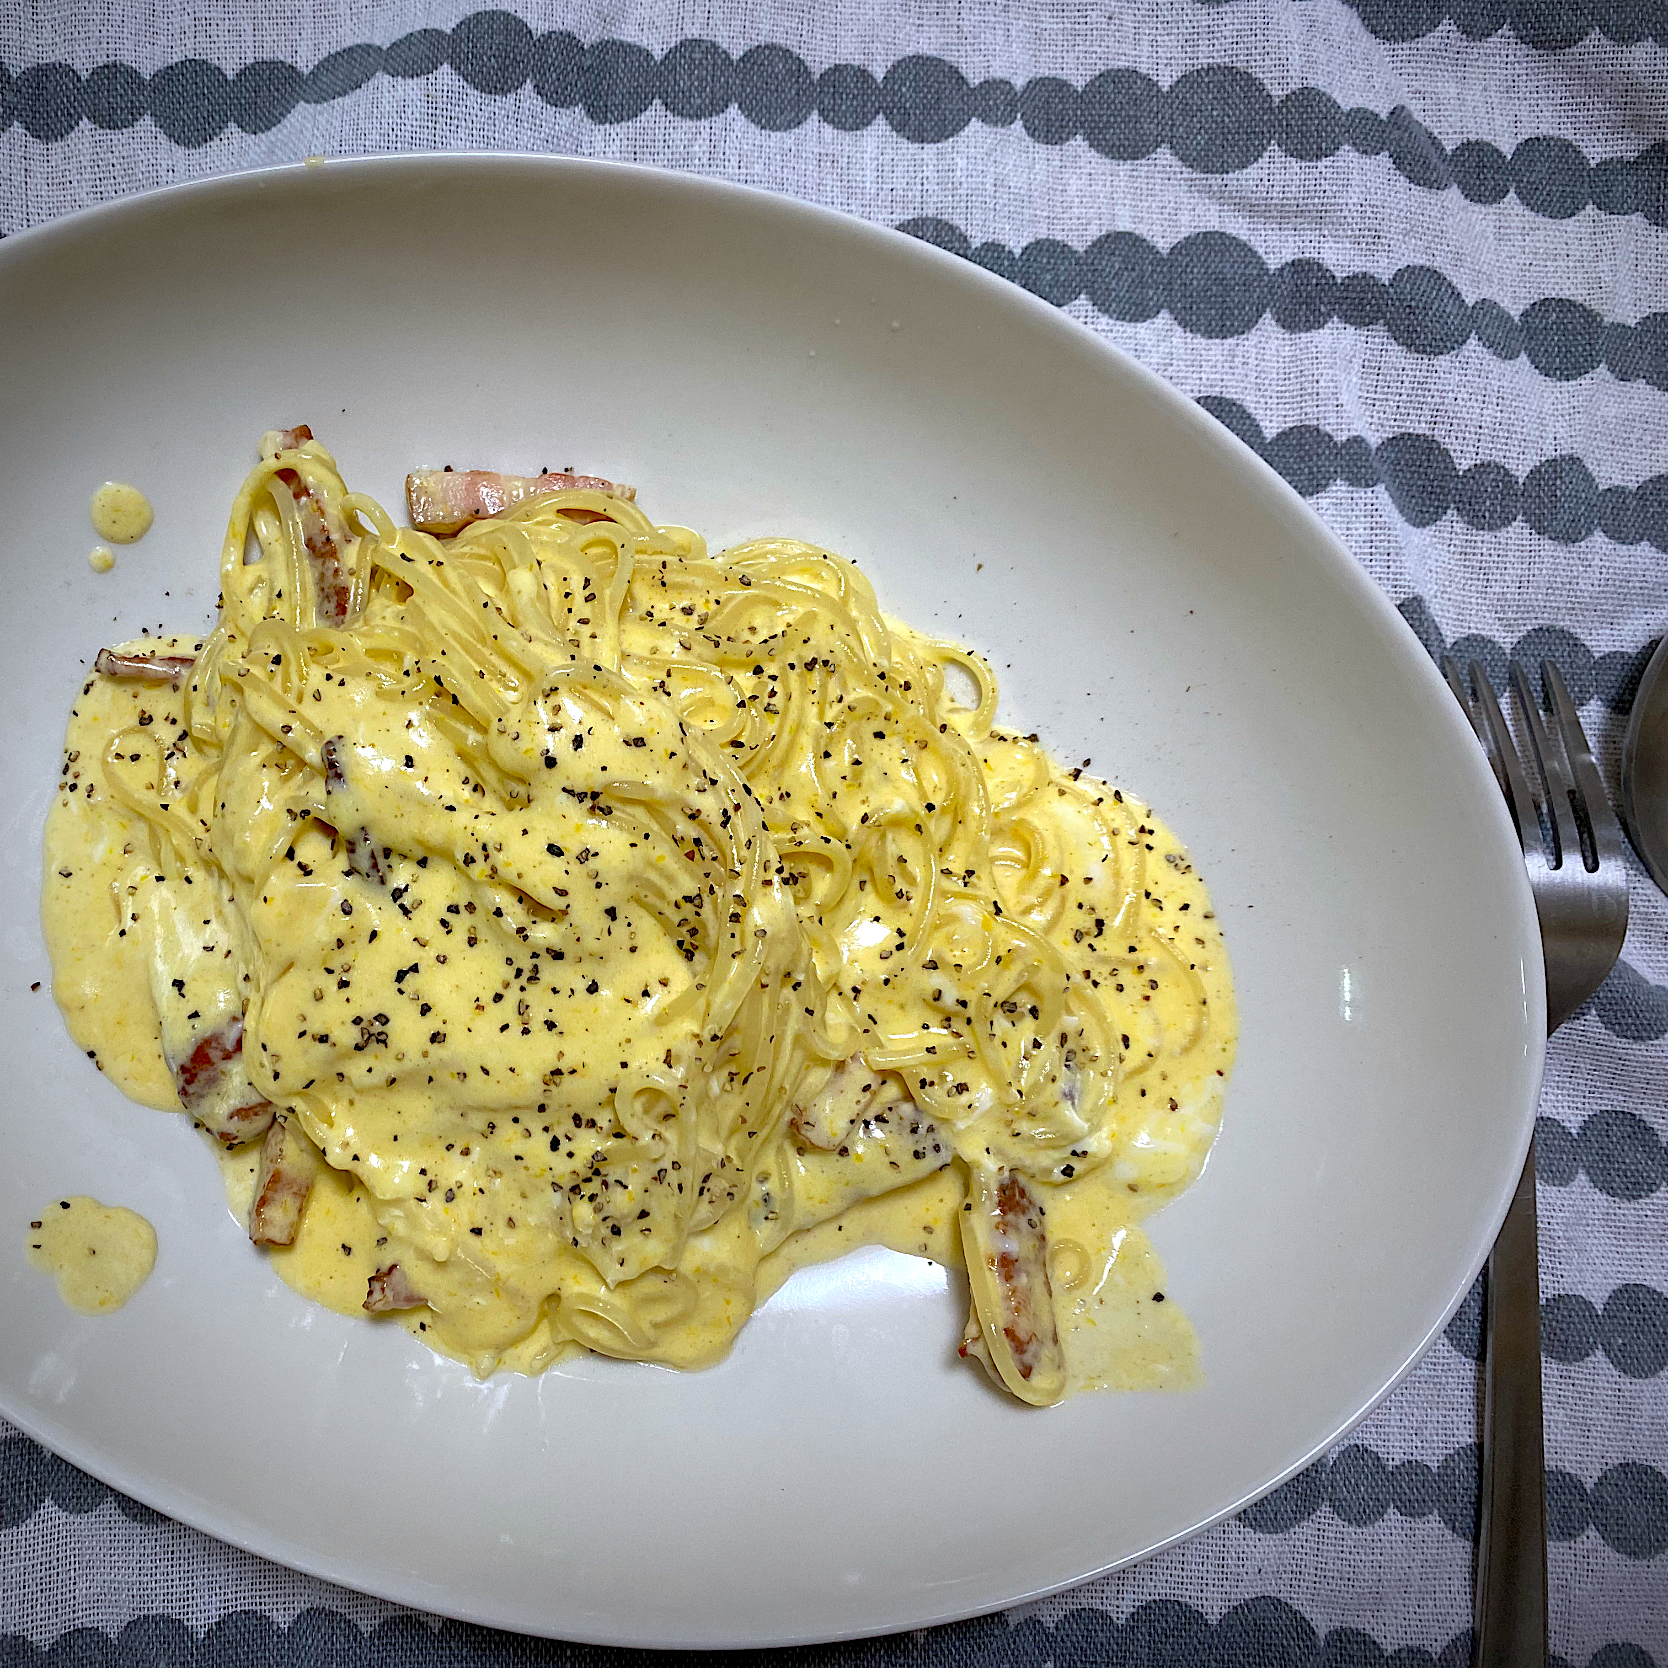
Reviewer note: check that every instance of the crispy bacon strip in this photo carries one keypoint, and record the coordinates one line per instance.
(363, 855)
(389, 1289)
(283, 1181)
(144, 668)
(444, 500)
(213, 1090)
(322, 530)
(1012, 1330)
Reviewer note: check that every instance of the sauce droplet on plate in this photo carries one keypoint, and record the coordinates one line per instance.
(100, 1254)
(121, 513)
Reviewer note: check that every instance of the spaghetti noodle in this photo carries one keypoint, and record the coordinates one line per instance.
(574, 927)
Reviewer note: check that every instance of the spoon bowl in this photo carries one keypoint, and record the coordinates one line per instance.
(1645, 769)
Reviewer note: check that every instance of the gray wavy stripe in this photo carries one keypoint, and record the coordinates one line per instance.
(1620, 1154)
(1264, 1632)
(1218, 286)
(1629, 1006)
(1217, 119)
(30, 1476)
(1631, 1328)
(1612, 677)
(1544, 25)
(1260, 1633)
(1558, 498)
(1627, 1505)
(1623, 1157)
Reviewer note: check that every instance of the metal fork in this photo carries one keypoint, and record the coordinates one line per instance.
(1572, 847)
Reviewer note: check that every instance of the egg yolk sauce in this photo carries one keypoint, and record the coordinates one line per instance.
(563, 934)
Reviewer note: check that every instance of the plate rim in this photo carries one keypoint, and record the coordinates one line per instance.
(417, 1593)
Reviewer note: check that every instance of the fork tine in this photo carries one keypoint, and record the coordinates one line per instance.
(1556, 781)
(1589, 786)
(1503, 755)
(1456, 683)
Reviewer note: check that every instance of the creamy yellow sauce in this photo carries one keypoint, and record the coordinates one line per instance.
(101, 558)
(100, 1254)
(614, 929)
(121, 513)
(102, 969)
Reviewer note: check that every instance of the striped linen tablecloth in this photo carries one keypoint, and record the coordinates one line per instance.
(1415, 253)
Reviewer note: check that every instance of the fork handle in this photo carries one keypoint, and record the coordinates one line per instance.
(1511, 1545)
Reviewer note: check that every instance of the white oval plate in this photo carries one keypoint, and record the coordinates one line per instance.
(1152, 596)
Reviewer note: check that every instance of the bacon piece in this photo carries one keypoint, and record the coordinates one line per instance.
(213, 1089)
(851, 1093)
(283, 1181)
(1012, 1330)
(197, 1074)
(144, 668)
(233, 1125)
(363, 855)
(445, 500)
(323, 530)
(389, 1289)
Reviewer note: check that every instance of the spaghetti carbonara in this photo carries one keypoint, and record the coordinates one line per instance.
(565, 932)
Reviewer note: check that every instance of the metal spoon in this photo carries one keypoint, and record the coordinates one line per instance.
(1645, 768)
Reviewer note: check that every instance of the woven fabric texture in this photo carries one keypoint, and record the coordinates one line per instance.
(1415, 253)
